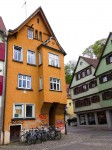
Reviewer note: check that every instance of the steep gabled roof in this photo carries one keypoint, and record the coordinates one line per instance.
(103, 51)
(93, 62)
(48, 40)
(38, 10)
(90, 61)
(2, 26)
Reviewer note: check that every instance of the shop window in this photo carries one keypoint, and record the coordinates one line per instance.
(91, 118)
(102, 117)
(82, 119)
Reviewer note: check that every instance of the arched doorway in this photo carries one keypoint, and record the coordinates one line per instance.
(52, 114)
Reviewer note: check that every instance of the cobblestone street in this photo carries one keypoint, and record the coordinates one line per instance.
(78, 138)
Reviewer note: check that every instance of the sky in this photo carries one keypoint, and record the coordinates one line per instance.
(77, 24)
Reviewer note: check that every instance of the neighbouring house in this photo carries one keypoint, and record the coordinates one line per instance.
(84, 91)
(35, 86)
(103, 73)
(69, 107)
(2, 72)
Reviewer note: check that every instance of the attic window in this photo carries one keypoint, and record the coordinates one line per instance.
(30, 33)
(81, 63)
(38, 20)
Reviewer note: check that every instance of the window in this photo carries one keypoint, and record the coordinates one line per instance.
(1, 84)
(78, 76)
(40, 58)
(93, 84)
(40, 83)
(40, 36)
(83, 74)
(104, 79)
(107, 95)
(69, 104)
(84, 87)
(24, 81)
(38, 20)
(86, 102)
(95, 99)
(17, 53)
(29, 111)
(109, 59)
(55, 84)
(88, 71)
(31, 57)
(23, 111)
(82, 119)
(102, 117)
(91, 118)
(36, 34)
(53, 60)
(30, 33)
(18, 111)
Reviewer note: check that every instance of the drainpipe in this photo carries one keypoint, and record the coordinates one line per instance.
(4, 85)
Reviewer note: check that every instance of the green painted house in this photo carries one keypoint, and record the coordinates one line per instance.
(84, 91)
(103, 73)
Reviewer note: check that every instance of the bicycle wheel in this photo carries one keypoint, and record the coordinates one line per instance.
(29, 140)
(22, 138)
(33, 139)
(58, 136)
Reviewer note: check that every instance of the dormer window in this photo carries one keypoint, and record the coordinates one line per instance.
(30, 33)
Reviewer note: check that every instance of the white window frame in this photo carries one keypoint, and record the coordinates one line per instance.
(24, 110)
(40, 58)
(21, 53)
(30, 33)
(33, 110)
(56, 83)
(40, 83)
(25, 78)
(32, 60)
(54, 60)
(14, 108)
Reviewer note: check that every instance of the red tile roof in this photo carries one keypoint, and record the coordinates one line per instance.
(2, 26)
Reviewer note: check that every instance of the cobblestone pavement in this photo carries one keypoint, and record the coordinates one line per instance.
(77, 138)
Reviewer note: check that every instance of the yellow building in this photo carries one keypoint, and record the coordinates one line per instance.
(70, 109)
(35, 87)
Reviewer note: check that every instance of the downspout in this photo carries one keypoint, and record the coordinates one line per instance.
(4, 88)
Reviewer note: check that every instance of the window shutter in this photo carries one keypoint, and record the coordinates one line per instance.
(107, 60)
(103, 96)
(101, 80)
(1, 84)
(110, 75)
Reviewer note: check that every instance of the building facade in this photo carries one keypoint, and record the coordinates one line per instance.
(84, 91)
(69, 107)
(35, 86)
(2, 72)
(103, 73)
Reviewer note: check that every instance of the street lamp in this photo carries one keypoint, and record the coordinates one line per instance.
(65, 112)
